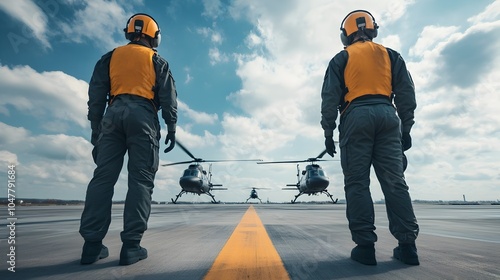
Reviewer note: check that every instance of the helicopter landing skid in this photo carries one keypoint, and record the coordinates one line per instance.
(177, 197)
(257, 198)
(174, 201)
(326, 192)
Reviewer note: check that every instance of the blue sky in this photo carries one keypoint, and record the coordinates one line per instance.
(249, 75)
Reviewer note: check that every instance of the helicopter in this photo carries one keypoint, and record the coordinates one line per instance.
(195, 179)
(253, 194)
(313, 180)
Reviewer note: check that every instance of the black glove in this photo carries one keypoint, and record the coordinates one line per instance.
(330, 146)
(405, 162)
(170, 137)
(95, 126)
(406, 141)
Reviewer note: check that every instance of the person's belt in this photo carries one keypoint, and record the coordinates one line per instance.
(366, 97)
(133, 96)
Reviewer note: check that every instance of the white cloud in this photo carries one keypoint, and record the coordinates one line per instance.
(216, 56)
(54, 147)
(213, 8)
(282, 77)
(32, 16)
(490, 13)
(8, 158)
(48, 164)
(98, 22)
(431, 38)
(45, 94)
(197, 117)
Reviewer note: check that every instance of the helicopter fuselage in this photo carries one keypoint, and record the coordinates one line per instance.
(253, 194)
(314, 180)
(194, 180)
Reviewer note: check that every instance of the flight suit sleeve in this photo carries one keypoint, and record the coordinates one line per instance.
(99, 88)
(332, 92)
(403, 90)
(166, 91)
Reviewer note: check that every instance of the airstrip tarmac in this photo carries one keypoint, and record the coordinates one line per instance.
(312, 241)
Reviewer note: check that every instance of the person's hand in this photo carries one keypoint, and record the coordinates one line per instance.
(170, 137)
(405, 162)
(95, 132)
(330, 146)
(406, 141)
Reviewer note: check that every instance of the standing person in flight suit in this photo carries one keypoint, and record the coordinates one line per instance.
(360, 82)
(135, 83)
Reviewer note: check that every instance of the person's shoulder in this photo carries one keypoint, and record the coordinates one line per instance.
(389, 50)
(341, 53)
(341, 56)
(159, 59)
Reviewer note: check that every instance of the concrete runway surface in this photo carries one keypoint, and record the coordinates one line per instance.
(313, 241)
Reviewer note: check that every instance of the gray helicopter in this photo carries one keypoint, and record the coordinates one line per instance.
(254, 195)
(313, 181)
(195, 179)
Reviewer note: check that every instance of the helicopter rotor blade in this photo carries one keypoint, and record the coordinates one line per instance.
(229, 160)
(176, 163)
(322, 154)
(284, 161)
(187, 151)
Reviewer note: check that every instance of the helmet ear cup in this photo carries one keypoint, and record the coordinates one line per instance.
(343, 38)
(155, 42)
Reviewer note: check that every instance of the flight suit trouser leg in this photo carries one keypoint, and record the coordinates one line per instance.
(108, 155)
(388, 166)
(356, 144)
(143, 133)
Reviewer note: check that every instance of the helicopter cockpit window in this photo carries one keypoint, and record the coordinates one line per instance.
(313, 173)
(316, 172)
(192, 172)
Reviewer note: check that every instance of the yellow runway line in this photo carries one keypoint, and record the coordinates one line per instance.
(248, 253)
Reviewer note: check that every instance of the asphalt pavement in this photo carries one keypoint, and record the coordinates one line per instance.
(312, 240)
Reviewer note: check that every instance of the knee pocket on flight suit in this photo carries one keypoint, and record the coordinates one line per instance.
(344, 159)
(155, 148)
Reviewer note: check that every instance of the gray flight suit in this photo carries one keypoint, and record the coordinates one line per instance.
(370, 132)
(125, 123)
(129, 125)
(370, 135)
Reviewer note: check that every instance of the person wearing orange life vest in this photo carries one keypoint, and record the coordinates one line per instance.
(362, 82)
(131, 83)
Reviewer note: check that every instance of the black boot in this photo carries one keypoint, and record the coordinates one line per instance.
(364, 254)
(93, 251)
(132, 252)
(407, 253)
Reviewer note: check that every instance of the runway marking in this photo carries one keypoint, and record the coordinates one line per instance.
(248, 254)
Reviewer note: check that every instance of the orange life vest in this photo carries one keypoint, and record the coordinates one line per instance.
(131, 71)
(368, 71)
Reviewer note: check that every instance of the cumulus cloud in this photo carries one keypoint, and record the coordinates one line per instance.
(47, 164)
(212, 8)
(97, 21)
(196, 117)
(291, 45)
(50, 93)
(53, 147)
(30, 14)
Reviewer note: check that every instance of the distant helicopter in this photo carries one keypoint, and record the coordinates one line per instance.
(195, 179)
(313, 180)
(253, 194)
